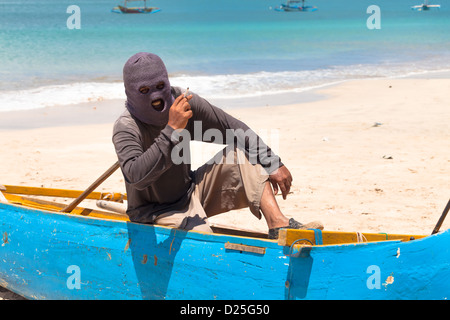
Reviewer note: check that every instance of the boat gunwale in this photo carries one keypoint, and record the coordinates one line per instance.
(285, 239)
(216, 237)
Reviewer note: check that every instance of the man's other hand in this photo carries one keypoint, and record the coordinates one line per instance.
(281, 178)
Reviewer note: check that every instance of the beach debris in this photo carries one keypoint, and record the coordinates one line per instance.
(387, 157)
(377, 124)
(325, 139)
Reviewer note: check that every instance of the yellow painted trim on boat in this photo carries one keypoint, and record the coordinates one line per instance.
(288, 236)
(56, 207)
(63, 193)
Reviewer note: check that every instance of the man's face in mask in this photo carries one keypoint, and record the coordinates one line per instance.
(158, 104)
(147, 88)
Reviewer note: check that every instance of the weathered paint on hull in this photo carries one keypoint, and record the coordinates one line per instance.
(418, 269)
(122, 260)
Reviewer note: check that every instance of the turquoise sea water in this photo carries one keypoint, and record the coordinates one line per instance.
(218, 48)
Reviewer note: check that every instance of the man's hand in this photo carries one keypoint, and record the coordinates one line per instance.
(180, 112)
(281, 178)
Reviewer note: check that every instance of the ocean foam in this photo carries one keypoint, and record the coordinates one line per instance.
(56, 95)
(232, 86)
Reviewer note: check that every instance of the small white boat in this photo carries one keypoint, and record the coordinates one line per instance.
(425, 6)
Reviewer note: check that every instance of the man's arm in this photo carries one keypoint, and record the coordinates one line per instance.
(142, 167)
(244, 138)
(281, 178)
(208, 119)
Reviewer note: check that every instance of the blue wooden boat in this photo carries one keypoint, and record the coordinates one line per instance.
(93, 254)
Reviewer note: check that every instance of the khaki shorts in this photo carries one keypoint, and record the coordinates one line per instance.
(221, 185)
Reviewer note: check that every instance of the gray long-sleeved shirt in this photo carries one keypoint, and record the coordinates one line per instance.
(154, 182)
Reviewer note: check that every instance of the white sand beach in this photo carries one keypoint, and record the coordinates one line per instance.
(372, 156)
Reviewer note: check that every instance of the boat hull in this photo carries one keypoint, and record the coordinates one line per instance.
(122, 260)
(391, 270)
(121, 9)
(45, 255)
(425, 7)
(287, 8)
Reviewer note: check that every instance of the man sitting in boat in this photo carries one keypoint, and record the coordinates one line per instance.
(161, 188)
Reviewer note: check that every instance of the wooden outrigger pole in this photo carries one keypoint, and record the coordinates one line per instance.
(442, 218)
(91, 188)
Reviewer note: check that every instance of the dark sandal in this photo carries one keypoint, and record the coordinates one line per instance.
(294, 224)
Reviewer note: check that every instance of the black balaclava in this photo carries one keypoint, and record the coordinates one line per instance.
(147, 71)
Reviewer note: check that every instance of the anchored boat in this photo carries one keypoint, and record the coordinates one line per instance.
(46, 253)
(126, 9)
(295, 6)
(425, 6)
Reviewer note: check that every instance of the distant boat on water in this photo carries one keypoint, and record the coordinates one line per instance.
(295, 6)
(126, 9)
(425, 6)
